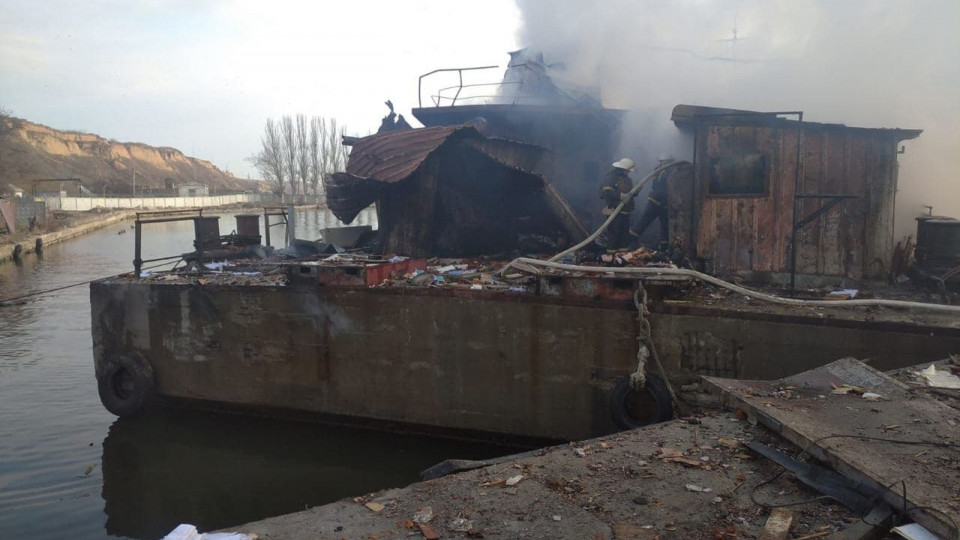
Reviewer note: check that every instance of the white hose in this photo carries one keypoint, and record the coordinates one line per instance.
(616, 211)
(643, 271)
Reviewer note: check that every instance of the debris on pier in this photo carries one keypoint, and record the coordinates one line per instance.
(898, 447)
(690, 478)
(796, 460)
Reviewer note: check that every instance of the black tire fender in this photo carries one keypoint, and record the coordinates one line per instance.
(655, 393)
(126, 384)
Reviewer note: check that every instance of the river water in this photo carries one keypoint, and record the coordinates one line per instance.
(70, 469)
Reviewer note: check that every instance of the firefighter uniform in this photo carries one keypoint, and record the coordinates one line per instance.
(656, 208)
(615, 186)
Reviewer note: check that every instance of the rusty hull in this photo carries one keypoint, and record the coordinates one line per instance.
(456, 360)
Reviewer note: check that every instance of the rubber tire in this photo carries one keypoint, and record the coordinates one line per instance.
(656, 388)
(126, 386)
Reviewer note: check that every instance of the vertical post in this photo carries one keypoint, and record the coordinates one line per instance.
(137, 261)
(798, 184)
(266, 224)
(291, 224)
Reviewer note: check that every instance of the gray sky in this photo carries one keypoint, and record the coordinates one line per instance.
(202, 76)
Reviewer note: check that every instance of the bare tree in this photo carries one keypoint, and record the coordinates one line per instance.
(303, 152)
(288, 131)
(336, 152)
(332, 154)
(269, 161)
(317, 127)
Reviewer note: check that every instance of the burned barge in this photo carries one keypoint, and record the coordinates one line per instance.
(455, 346)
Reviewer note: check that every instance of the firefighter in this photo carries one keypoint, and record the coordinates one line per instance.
(656, 208)
(614, 189)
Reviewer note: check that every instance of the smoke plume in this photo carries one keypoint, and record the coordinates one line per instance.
(862, 63)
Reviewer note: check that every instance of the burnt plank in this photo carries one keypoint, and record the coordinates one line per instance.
(783, 191)
(808, 260)
(766, 209)
(829, 224)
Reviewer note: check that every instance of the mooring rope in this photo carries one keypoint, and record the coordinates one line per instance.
(6, 301)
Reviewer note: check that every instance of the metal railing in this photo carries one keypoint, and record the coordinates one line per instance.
(162, 216)
(448, 96)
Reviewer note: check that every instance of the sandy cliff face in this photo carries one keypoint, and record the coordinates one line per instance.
(31, 151)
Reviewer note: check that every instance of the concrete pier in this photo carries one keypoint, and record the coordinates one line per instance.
(50, 238)
(683, 479)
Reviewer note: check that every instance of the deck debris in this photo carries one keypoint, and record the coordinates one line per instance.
(513, 480)
(423, 515)
(853, 440)
(375, 506)
(460, 525)
(778, 525)
(940, 378)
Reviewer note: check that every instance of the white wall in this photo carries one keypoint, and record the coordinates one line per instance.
(82, 204)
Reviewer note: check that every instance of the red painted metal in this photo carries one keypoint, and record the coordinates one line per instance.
(359, 275)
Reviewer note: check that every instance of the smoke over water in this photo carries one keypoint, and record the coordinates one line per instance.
(862, 63)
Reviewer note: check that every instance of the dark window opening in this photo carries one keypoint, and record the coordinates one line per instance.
(591, 172)
(738, 175)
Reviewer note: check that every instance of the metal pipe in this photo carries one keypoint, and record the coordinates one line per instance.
(137, 262)
(796, 204)
(686, 272)
(170, 258)
(455, 96)
(420, 80)
(167, 220)
(172, 211)
(826, 196)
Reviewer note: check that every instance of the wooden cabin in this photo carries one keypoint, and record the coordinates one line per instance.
(761, 180)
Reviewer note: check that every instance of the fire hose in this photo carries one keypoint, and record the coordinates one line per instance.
(524, 263)
(627, 196)
(529, 265)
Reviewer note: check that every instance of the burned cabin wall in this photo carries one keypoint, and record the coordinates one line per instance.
(680, 205)
(751, 232)
(463, 202)
(582, 151)
(582, 144)
(406, 213)
(489, 208)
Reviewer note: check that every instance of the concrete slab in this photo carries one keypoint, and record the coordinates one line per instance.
(872, 440)
(673, 480)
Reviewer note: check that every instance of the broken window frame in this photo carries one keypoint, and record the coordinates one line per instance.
(765, 179)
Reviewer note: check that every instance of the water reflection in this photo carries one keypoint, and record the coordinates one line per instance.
(217, 470)
(55, 462)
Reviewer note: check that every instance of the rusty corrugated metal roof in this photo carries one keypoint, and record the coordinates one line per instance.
(688, 114)
(392, 157)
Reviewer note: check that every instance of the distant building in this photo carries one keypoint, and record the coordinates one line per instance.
(193, 190)
(15, 191)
